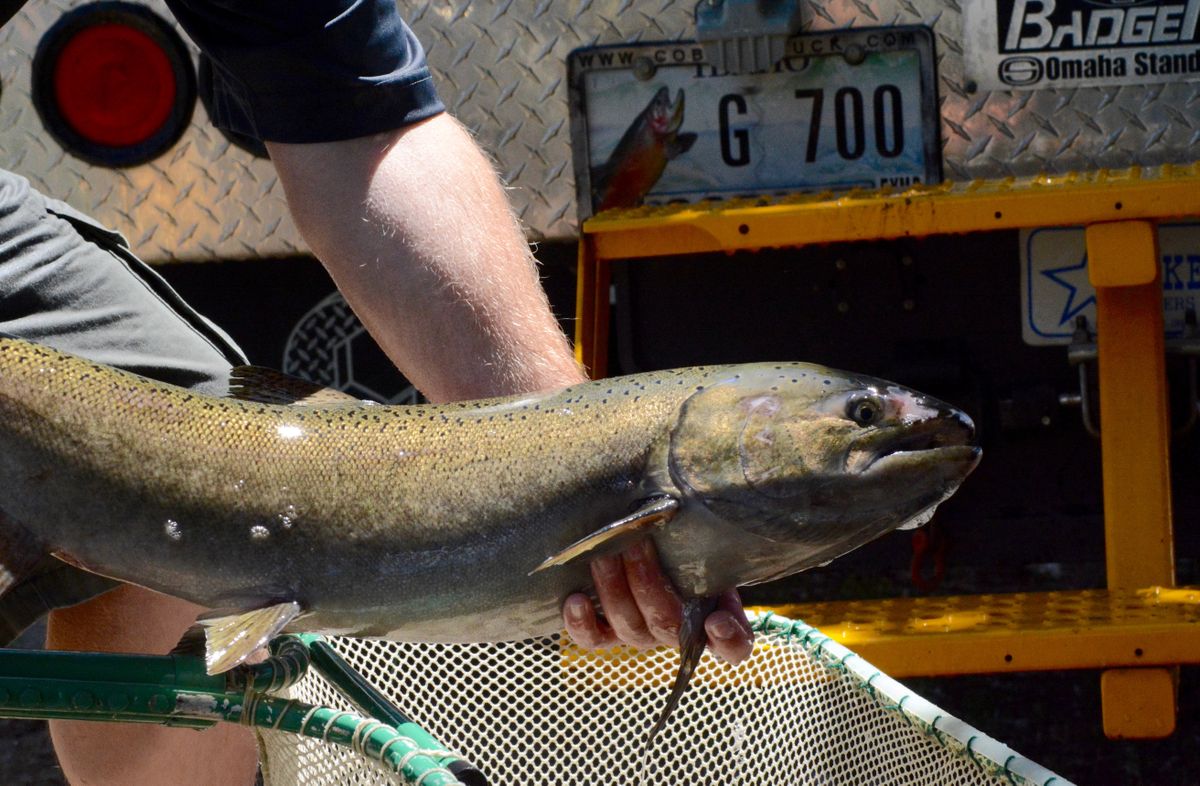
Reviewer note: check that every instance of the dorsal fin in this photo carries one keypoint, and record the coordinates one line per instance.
(268, 386)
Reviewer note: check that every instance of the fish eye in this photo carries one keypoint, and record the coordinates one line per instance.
(864, 410)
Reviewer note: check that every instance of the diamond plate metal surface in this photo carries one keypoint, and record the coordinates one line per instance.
(501, 69)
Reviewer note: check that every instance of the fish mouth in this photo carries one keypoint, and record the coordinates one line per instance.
(947, 456)
(947, 440)
(668, 116)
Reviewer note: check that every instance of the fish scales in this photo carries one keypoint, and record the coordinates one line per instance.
(330, 490)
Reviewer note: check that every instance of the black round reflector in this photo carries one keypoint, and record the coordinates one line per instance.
(114, 83)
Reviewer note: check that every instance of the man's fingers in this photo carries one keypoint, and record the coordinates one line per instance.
(620, 607)
(642, 609)
(584, 626)
(729, 633)
(657, 602)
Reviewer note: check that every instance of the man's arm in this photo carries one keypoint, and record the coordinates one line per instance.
(417, 233)
(418, 236)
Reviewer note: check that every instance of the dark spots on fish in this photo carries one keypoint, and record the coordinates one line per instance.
(827, 382)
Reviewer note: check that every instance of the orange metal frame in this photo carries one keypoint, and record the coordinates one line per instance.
(1119, 210)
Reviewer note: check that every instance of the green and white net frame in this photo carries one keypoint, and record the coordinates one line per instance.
(802, 710)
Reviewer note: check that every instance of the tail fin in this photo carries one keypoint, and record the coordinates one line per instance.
(33, 583)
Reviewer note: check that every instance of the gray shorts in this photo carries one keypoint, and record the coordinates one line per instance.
(72, 284)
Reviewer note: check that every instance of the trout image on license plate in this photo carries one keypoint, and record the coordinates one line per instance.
(656, 123)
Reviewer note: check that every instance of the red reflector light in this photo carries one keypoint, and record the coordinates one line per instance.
(114, 85)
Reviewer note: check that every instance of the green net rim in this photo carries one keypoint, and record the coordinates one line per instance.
(988, 754)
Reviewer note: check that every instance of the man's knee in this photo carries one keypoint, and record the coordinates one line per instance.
(136, 620)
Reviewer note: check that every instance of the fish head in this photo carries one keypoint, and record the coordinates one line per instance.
(814, 461)
(664, 116)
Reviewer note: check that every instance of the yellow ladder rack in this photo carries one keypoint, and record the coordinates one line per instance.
(1119, 210)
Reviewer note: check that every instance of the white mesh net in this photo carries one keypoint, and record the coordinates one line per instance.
(801, 710)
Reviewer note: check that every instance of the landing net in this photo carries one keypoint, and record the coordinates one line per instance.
(802, 710)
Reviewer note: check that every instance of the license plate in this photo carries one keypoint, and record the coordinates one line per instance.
(655, 123)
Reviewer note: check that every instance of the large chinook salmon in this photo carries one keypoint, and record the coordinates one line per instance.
(457, 522)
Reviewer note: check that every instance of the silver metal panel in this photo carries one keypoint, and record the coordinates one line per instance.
(501, 67)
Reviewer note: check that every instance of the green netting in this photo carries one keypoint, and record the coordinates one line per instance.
(802, 710)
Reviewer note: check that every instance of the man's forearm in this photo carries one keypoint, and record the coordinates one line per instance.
(435, 265)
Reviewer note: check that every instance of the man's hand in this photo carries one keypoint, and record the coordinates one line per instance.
(641, 609)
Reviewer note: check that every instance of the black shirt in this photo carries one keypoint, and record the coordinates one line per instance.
(310, 70)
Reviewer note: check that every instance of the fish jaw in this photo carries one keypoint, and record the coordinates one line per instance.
(666, 117)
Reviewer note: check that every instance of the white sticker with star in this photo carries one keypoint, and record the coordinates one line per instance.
(1055, 289)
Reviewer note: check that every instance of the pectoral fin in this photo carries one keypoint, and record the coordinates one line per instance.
(692, 639)
(611, 537)
(231, 639)
(679, 145)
